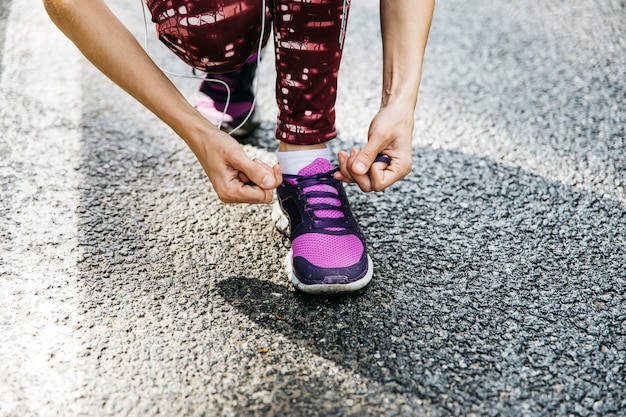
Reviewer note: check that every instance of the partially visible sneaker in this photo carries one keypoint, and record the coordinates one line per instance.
(328, 251)
(212, 98)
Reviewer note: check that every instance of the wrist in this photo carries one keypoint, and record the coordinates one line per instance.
(195, 130)
(401, 106)
(400, 90)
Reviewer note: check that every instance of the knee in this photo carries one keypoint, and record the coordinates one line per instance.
(56, 9)
(204, 41)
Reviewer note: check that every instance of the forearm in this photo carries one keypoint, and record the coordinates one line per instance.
(106, 42)
(405, 25)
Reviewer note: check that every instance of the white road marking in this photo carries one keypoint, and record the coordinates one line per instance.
(40, 98)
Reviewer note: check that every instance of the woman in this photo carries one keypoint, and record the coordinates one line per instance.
(329, 253)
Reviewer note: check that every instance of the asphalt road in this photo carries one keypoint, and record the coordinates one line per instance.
(128, 289)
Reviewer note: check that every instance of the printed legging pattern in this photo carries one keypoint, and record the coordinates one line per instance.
(220, 35)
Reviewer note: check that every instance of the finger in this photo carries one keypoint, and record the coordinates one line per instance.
(252, 195)
(381, 172)
(278, 176)
(241, 187)
(381, 163)
(268, 195)
(384, 177)
(244, 178)
(261, 174)
(236, 191)
(344, 173)
(362, 180)
(365, 159)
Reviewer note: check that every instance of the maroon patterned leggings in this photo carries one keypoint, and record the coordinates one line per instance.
(220, 35)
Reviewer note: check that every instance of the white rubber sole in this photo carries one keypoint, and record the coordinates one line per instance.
(280, 219)
(327, 289)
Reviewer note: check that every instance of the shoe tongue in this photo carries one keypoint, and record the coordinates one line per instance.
(318, 166)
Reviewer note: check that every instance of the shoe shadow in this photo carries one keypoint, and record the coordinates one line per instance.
(340, 328)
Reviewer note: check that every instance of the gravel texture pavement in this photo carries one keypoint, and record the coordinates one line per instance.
(128, 289)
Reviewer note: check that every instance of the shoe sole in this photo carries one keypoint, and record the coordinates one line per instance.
(280, 219)
(328, 289)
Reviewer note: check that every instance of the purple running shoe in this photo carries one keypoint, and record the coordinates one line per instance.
(328, 252)
(212, 98)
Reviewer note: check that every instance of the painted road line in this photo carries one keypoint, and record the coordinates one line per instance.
(40, 98)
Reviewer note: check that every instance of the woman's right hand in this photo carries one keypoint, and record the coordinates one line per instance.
(108, 44)
(235, 177)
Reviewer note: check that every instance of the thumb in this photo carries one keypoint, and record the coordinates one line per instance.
(364, 159)
(260, 174)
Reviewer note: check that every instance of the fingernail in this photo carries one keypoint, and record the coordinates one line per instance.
(360, 167)
(267, 182)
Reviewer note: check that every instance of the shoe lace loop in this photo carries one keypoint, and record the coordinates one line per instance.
(319, 203)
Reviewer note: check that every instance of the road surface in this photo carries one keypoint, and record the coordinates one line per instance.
(128, 289)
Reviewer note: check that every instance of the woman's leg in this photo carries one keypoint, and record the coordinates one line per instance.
(308, 41)
(328, 250)
(222, 38)
(220, 35)
(215, 36)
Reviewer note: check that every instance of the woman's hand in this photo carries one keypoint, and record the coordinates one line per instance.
(404, 28)
(235, 177)
(390, 133)
(106, 42)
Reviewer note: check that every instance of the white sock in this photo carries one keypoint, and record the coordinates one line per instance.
(292, 162)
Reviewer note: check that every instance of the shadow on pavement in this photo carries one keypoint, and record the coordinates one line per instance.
(496, 291)
(493, 288)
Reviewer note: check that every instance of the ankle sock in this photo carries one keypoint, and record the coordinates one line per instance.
(292, 162)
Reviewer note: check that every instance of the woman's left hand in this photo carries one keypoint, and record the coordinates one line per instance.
(391, 134)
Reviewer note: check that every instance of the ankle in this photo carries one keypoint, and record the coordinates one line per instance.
(294, 160)
(290, 147)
